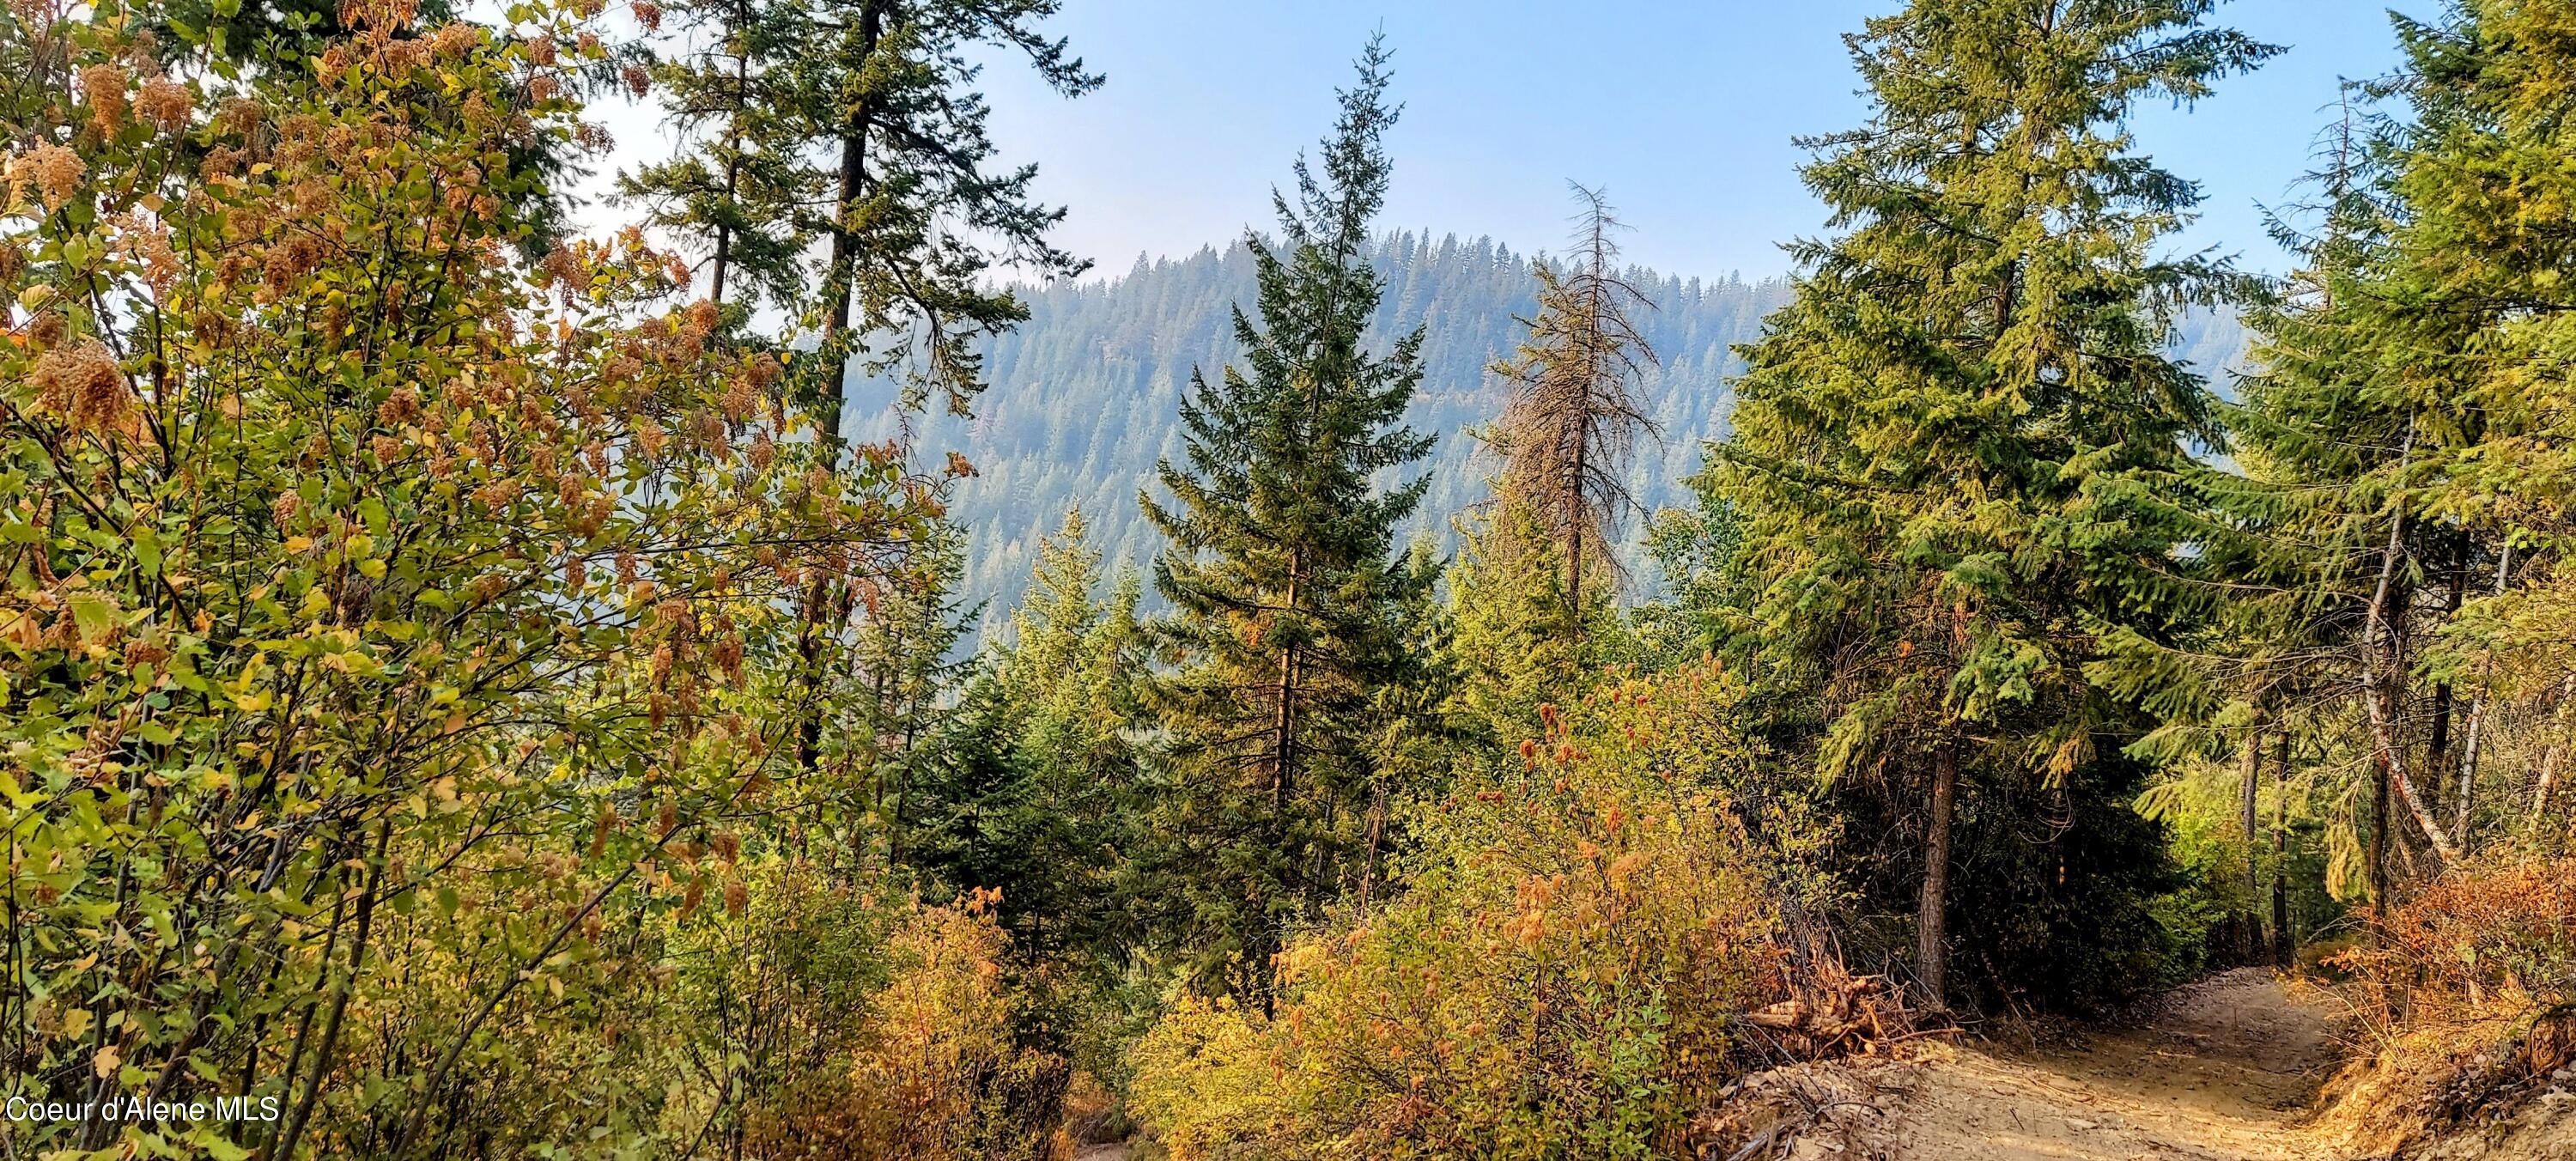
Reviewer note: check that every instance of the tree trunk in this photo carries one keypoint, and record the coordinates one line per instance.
(2249, 929)
(1574, 548)
(2285, 943)
(1283, 721)
(2376, 687)
(2550, 756)
(2383, 817)
(826, 603)
(2437, 747)
(733, 151)
(2437, 751)
(1283, 756)
(1931, 949)
(1376, 834)
(842, 278)
(2468, 788)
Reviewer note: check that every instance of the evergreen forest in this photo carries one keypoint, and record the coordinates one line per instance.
(817, 671)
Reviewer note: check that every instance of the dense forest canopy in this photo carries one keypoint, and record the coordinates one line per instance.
(758, 684)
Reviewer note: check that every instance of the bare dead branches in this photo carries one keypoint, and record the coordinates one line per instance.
(1573, 419)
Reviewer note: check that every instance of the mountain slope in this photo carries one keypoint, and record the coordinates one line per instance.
(1086, 395)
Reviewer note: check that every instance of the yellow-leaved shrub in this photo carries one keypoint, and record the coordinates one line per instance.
(938, 1074)
(1562, 974)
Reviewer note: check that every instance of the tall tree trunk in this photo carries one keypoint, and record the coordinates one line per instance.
(2437, 751)
(2376, 687)
(843, 277)
(828, 604)
(1574, 556)
(2383, 819)
(1376, 834)
(2437, 744)
(1283, 715)
(2285, 943)
(733, 149)
(2468, 787)
(1283, 756)
(2249, 929)
(1931, 947)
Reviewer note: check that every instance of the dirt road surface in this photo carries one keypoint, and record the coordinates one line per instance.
(2226, 1072)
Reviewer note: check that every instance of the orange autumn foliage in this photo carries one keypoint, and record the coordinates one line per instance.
(937, 1074)
(1571, 971)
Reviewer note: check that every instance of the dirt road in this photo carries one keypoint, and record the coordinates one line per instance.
(2226, 1070)
(2223, 1074)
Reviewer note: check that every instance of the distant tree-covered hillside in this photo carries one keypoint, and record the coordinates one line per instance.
(1086, 396)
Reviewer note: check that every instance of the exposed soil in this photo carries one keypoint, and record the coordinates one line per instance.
(2226, 1072)
(2228, 1069)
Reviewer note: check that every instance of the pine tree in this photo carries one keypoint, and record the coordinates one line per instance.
(1512, 641)
(905, 674)
(1935, 438)
(918, 219)
(919, 216)
(1287, 596)
(1573, 419)
(2283, 568)
(2407, 441)
(2478, 303)
(738, 184)
(1040, 774)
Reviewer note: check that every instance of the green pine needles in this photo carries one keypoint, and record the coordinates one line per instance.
(1935, 440)
(1282, 574)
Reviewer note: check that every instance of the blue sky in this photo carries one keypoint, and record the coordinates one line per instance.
(1684, 109)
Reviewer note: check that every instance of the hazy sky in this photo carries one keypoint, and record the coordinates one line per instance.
(1684, 109)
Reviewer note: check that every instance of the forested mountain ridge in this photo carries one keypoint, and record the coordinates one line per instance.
(1085, 396)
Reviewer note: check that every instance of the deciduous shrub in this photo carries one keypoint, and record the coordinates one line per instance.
(1565, 973)
(2502, 933)
(389, 625)
(938, 1073)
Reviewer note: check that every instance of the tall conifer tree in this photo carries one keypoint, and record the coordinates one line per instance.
(1039, 771)
(737, 186)
(1935, 438)
(2286, 568)
(1511, 636)
(1288, 597)
(904, 674)
(916, 214)
(2407, 440)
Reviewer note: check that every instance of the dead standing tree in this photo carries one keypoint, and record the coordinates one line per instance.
(1573, 418)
